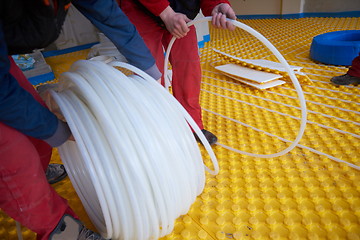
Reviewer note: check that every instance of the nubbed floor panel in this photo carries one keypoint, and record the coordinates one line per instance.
(308, 193)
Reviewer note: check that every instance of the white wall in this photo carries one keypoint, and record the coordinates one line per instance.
(256, 7)
(292, 6)
(278, 7)
(331, 6)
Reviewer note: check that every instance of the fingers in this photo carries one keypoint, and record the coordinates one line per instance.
(230, 13)
(219, 15)
(180, 29)
(230, 26)
(71, 138)
(219, 20)
(178, 34)
(175, 22)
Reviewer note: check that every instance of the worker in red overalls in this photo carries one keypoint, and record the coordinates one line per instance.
(157, 22)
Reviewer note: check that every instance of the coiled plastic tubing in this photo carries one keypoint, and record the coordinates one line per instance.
(135, 163)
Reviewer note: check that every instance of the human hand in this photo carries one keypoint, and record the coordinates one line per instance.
(219, 15)
(71, 138)
(44, 92)
(175, 22)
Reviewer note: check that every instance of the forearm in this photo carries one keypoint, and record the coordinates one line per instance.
(109, 19)
(20, 110)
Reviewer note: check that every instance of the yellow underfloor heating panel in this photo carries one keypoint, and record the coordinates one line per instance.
(312, 192)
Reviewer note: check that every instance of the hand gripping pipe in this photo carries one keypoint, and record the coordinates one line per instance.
(291, 73)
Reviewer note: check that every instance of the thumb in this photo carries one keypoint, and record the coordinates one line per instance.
(232, 15)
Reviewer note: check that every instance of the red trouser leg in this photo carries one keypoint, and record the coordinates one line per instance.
(184, 58)
(186, 80)
(25, 194)
(355, 67)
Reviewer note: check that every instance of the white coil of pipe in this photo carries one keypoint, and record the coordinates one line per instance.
(135, 163)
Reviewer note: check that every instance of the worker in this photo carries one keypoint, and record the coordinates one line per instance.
(28, 130)
(158, 21)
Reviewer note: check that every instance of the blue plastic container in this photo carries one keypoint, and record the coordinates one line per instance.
(336, 48)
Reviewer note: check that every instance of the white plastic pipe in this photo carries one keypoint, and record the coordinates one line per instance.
(278, 55)
(18, 230)
(135, 164)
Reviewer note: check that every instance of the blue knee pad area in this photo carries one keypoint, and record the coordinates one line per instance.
(336, 48)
